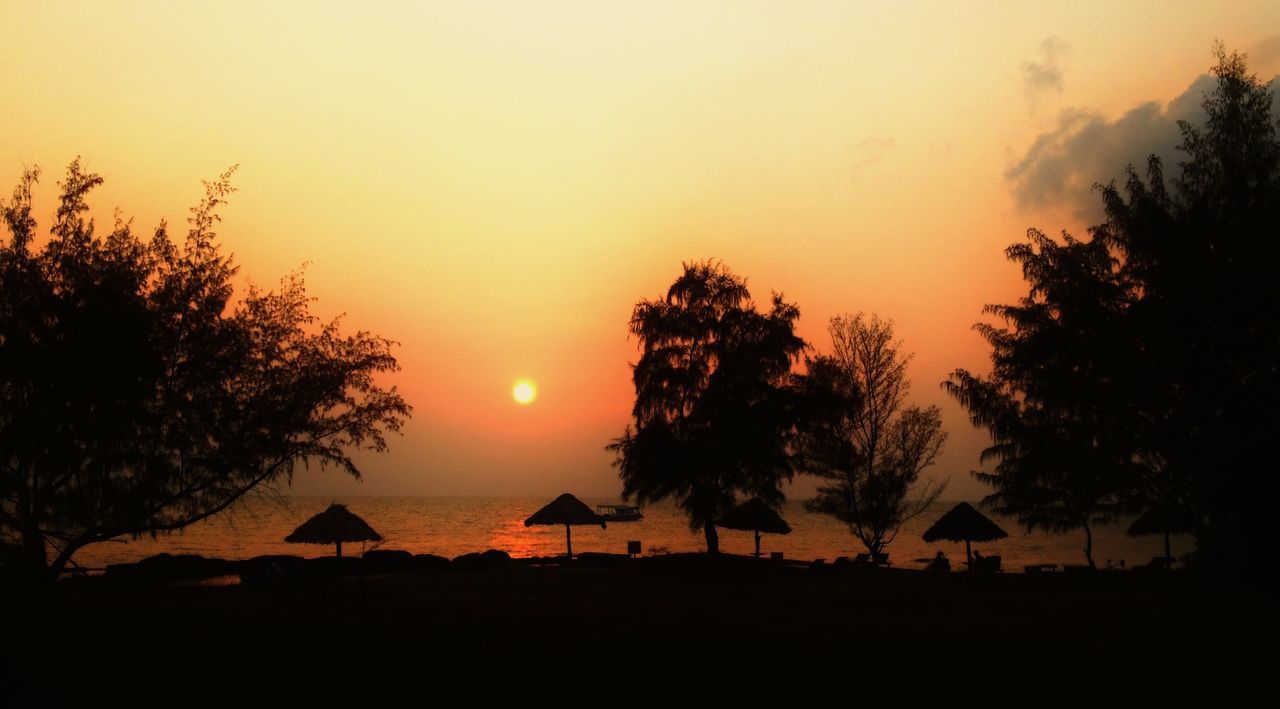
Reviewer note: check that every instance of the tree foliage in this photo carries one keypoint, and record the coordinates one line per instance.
(1054, 393)
(714, 408)
(136, 397)
(861, 439)
(1140, 370)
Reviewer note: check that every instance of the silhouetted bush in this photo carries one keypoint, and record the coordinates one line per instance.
(482, 560)
(388, 561)
(271, 568)
(168, 568)
(430, 562)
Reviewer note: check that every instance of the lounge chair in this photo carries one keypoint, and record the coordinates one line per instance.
(1157, 563)
(987, 565)
(871, 560)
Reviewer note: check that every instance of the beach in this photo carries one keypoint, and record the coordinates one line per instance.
(408, 354)
(662, 616)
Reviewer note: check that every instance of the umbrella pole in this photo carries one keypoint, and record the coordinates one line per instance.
(568, 541)
(339, 543)
(757, 543)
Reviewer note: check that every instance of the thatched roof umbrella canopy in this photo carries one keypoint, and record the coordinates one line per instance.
(964, 524)
(754, 516)
(334, 526)
(1163, 519)
(567, 510)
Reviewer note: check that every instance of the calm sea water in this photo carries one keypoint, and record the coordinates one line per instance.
(450, 526)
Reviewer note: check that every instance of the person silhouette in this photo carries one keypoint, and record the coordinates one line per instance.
(940, 563)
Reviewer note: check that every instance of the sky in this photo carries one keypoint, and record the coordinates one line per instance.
(495, 185)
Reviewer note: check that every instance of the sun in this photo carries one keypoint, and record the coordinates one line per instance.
(524, 392)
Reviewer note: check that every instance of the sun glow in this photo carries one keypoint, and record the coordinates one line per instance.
(524, 392)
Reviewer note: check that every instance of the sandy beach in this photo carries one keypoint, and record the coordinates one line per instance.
(661, 616)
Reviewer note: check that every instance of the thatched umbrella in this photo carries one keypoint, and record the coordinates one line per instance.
(334, 526)
(567, 510)
(963, 523)
(754, 516)
(1162, 519)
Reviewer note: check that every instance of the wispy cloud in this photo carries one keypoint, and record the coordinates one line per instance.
(1046, 75)
(1265, 51)
(870, 151)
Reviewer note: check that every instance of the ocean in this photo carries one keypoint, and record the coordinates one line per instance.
(450, 526)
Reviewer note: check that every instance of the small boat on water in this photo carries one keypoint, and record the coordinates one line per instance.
(619, 513)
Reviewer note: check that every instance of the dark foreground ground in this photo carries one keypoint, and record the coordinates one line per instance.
(648, 621)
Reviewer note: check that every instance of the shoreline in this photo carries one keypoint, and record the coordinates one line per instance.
(454, 528)
(193, 569)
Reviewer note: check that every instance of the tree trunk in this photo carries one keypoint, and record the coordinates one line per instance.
(1088, 545)
(35, 558)
(63, 558)
(875, 547)
(713, 538)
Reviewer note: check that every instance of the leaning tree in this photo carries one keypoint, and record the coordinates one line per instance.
(138, 396)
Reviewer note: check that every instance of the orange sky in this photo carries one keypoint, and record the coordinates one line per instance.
(495, 185)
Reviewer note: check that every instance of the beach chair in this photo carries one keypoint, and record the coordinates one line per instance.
(871, 560)
(1157, 563)
(987, 565)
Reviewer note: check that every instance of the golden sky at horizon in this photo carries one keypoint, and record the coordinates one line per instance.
(494, 185)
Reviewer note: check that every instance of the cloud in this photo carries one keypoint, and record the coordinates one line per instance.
(870, 151)
(1062, 164)
(1266, 50)
(1041, 77)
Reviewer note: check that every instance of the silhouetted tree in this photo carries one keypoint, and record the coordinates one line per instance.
(1141, 368)
(1053, 403)
(868, 448)
(714, 409)
(137, 398)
